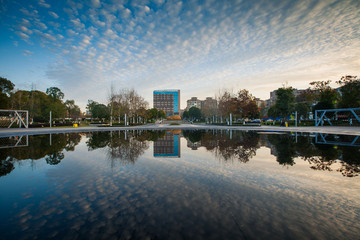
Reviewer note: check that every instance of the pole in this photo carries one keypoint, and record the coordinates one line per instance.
(27, 119)
(230, 119)
(295, 118)
(125, 119)
(50, 120)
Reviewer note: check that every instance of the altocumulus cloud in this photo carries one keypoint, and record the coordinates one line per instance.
(197, 46)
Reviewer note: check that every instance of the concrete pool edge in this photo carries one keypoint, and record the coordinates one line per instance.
(38, 131)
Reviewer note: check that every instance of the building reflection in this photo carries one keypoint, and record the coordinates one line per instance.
(168, 145)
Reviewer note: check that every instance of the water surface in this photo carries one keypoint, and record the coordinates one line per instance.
(180, 185)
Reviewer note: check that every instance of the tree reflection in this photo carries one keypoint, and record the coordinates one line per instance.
(6, 166)
(350, 165)
(237, 145)
(126, 150)
(285, 149)
(124, 147)
(49, 146)
(54, 158)
(321, 156)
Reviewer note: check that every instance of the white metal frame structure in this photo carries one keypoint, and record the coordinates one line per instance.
(322, 138)
(320, 115)
(14, 141)
(9, 117)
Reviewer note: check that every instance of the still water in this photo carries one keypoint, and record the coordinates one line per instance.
(180, 185)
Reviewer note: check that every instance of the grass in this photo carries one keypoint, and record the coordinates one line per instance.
(174, 123)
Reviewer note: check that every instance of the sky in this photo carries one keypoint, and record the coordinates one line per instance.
(201, 47)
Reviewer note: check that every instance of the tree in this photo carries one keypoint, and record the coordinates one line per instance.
(73, 111)
(350, 89)
(324, 94)
(272, 112)
(285, 101)
(246, 105)
(306, 96)
(55, 92)
(57, 108)
(227, 104)
(161, 114)
(302, 109)
(100, 111)
(38, 104)
(194, 113)
(152, 113)
(90, 106)
(131, 103)
(185, 115)
(6, 86)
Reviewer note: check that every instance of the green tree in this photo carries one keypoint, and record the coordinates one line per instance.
(194, 113)
(100, 111)
(56, 106)
(302, 109)
(350, 89)
(324, 94)
(152, 113)
(272, 112)
(185, 114)
(55, 93)
(90, 106)
(285, 101)
(36, 102)
(6, 86)
(161, 114)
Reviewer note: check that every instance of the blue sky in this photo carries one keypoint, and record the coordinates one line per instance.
(199, 47)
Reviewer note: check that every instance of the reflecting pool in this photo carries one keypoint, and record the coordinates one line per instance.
(180, 185)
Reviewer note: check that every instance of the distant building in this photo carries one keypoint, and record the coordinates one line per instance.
(272, 99)
(167, 101)
(209, 103)
(260, 102)
(193, 102)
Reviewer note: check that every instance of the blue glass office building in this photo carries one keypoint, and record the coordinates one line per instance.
(168, 101)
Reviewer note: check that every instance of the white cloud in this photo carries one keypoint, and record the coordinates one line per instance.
(41, 25)
(28, 53)
(44, 4)
(54, 15)
(77, 23)
(26, 30)
(48, 36)
(22, 35)
(96, 3)
(71, 32)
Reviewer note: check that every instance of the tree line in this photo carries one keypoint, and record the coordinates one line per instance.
(126, 103)
(319, 96)
(38, 103)
(241, 104)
